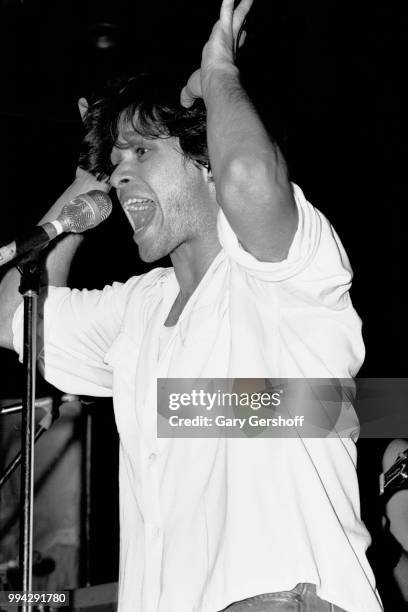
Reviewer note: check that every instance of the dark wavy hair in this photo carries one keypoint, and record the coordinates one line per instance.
(151, 105)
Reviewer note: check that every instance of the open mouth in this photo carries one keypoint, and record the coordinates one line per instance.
(140, 212)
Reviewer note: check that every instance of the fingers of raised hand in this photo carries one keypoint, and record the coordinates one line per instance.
(192, 90)
(186, 99)
(239, 19)
(83, 107)
(240, 14)
(241, 38)
(236, 17)
(226, 11)
(233, 20)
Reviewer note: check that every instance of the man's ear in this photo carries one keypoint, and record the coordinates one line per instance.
(83, 107)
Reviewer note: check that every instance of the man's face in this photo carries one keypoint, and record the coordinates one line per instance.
(167, 199)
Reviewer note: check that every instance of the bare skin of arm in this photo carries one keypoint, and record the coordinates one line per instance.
(58, 261)
(249, 171)
(397, 513)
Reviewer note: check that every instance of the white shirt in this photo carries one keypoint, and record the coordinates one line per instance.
(206, 522)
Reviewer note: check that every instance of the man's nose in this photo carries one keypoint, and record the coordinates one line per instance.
(122, 175)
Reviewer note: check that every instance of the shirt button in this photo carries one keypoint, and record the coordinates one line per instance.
(152, 457)
(158, 532)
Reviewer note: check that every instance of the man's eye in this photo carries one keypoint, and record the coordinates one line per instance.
(141, 151)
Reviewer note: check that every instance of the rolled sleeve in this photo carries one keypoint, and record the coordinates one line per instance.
(302, 250)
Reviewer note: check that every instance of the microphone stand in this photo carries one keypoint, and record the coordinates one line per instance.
(51, 415)
(30, 269)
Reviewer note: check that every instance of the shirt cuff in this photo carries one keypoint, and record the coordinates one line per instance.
(301, 252)
(17, 327)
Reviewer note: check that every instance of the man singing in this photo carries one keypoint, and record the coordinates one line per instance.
(259, 288)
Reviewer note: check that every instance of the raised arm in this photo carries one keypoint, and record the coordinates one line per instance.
(59, 259)
(248, 168)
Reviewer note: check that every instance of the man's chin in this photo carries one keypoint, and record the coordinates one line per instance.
(150, 255)
(148, 259)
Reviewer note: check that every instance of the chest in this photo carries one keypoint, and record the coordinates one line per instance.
(175, 312)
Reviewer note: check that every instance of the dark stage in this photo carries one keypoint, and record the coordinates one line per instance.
(328, 80)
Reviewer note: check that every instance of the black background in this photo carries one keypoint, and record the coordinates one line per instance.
(327, 77)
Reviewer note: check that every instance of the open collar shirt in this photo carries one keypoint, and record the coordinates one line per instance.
(206, 522)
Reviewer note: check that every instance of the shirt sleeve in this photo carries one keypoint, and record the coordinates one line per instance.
(314, 238)
(319, 332)
(75, 331)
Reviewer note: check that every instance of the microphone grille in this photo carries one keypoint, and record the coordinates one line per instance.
(85, 211)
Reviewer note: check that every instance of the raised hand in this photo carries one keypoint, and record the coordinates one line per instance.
(219, 52)
(82, 175)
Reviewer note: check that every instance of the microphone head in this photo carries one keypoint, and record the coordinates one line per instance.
(85, 211)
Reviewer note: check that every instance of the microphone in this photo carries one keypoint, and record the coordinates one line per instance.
(82, 213)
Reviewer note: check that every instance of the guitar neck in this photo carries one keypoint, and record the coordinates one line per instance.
(396, 478)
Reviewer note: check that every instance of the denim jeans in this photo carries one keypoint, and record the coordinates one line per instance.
(302, 598)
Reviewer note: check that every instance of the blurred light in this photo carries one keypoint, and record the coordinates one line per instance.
(104, 35)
